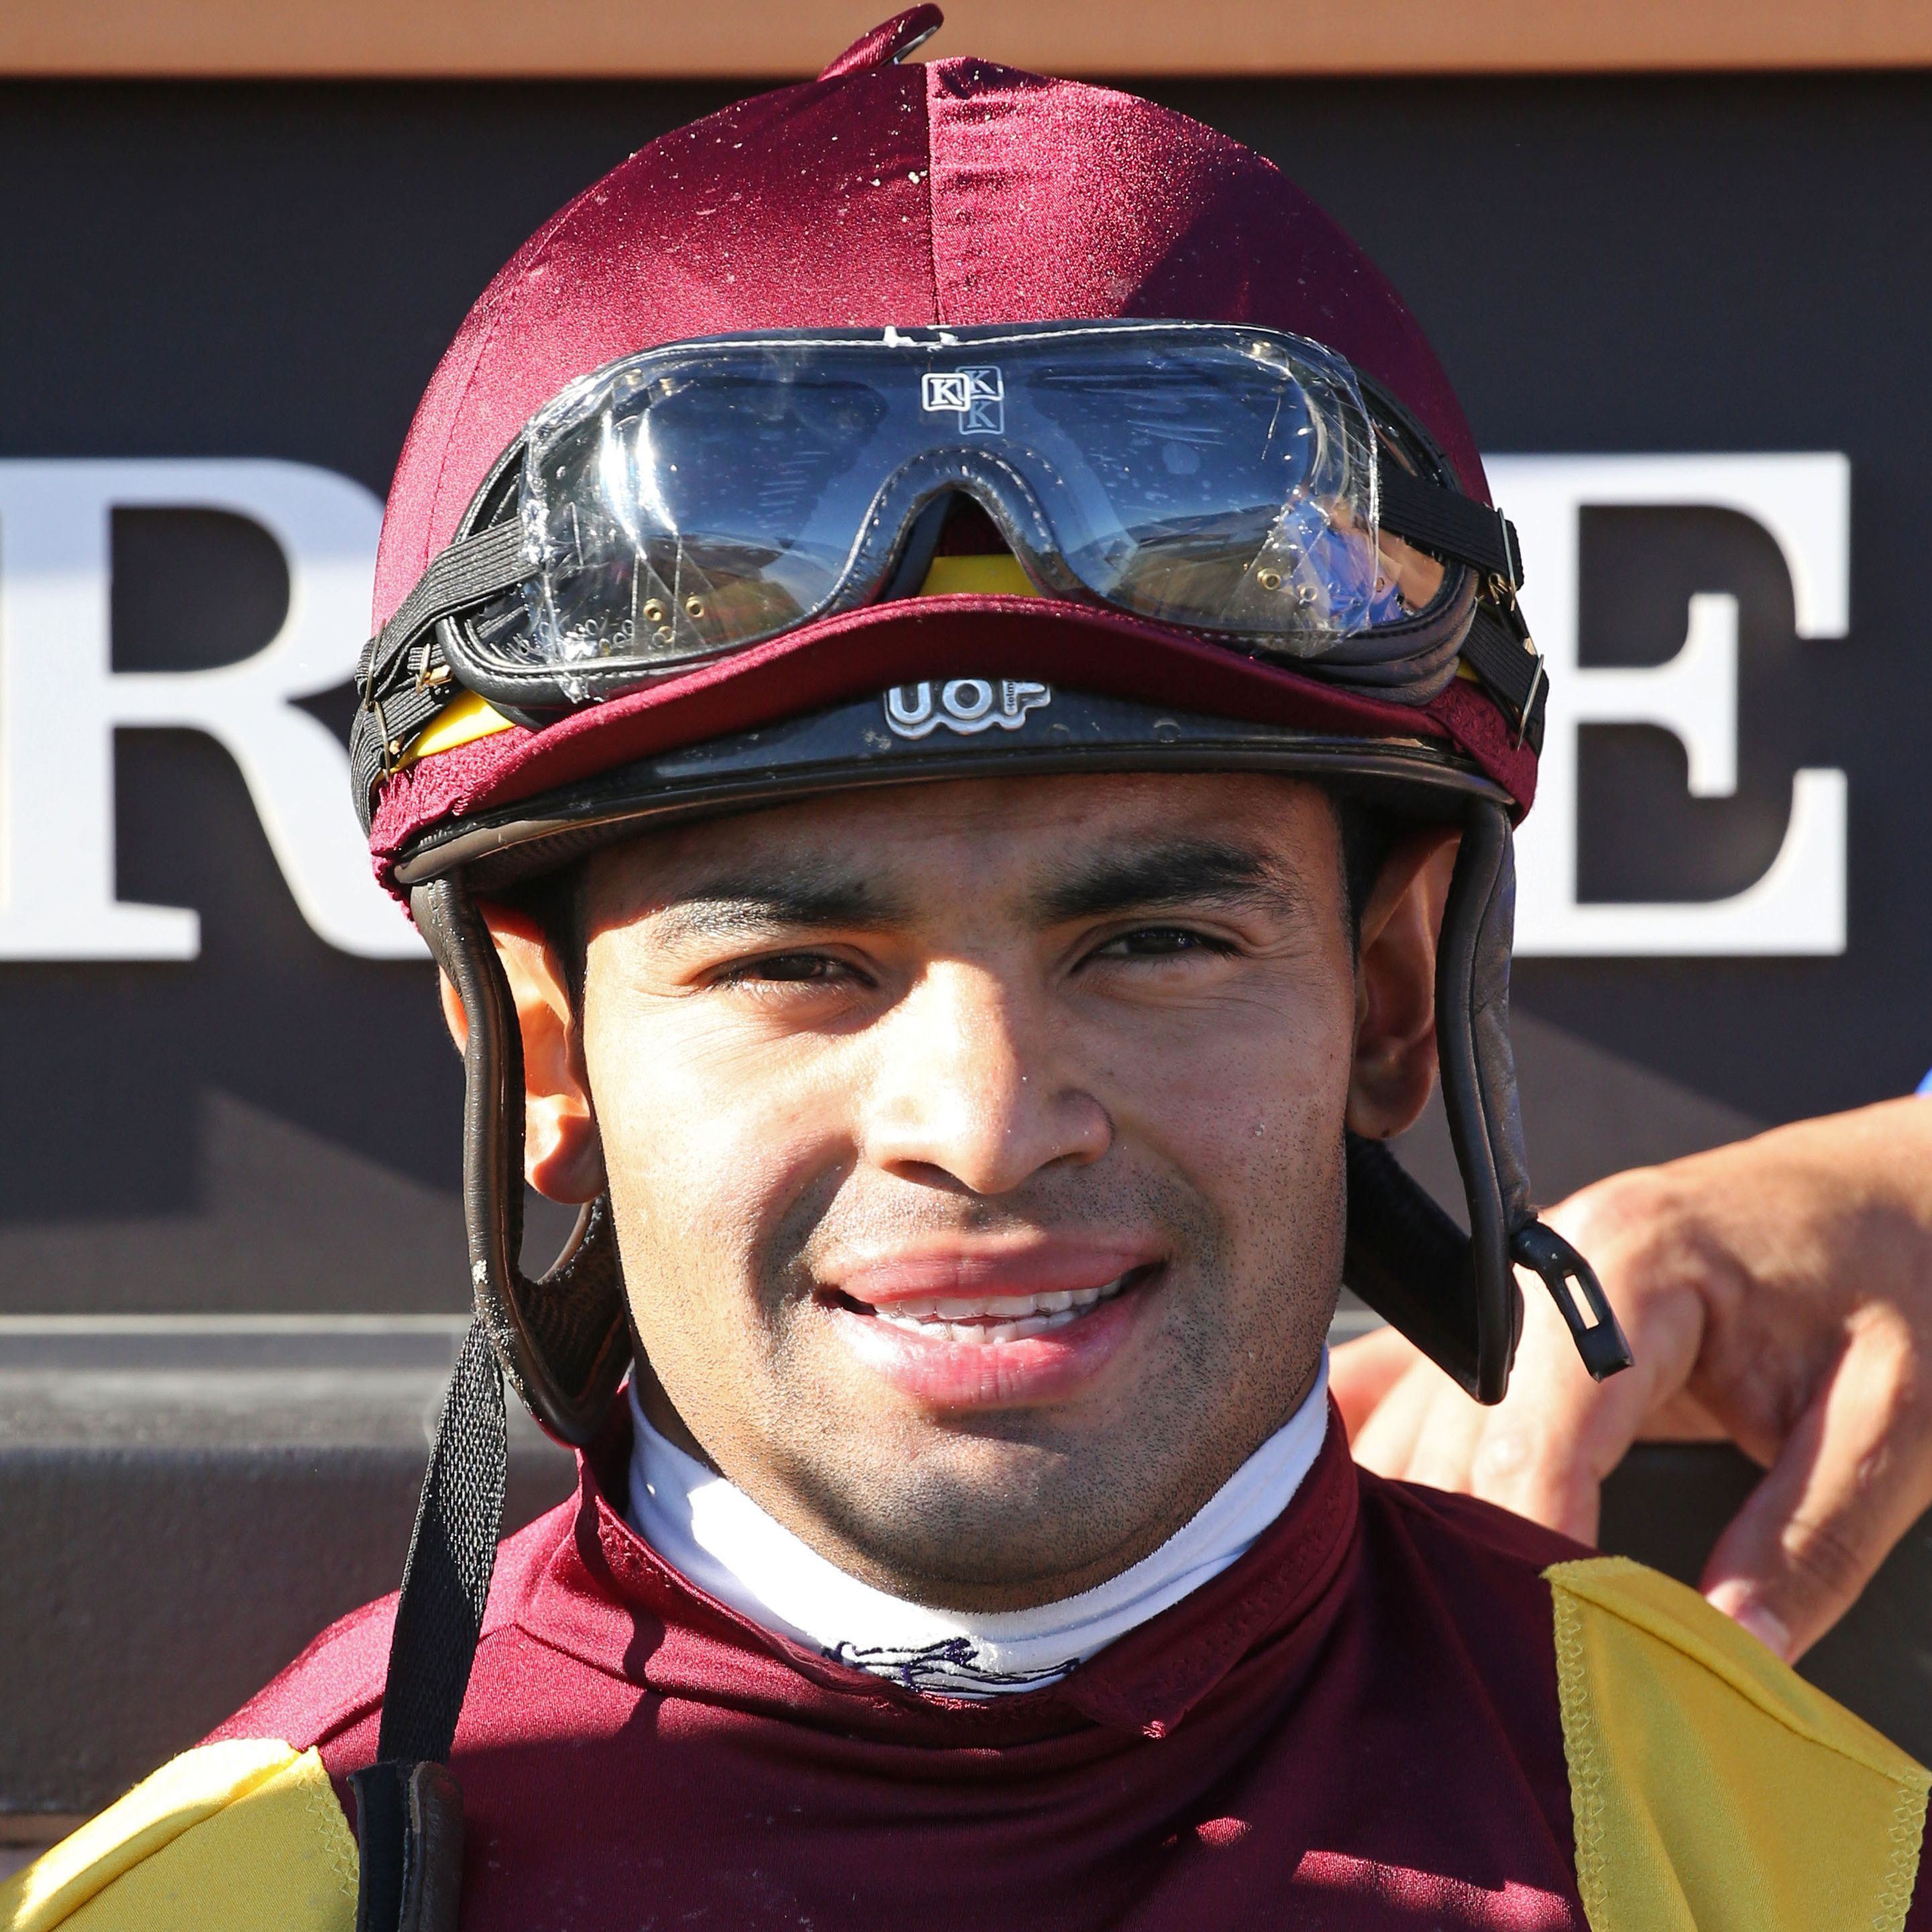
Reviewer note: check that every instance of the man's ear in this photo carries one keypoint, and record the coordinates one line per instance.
(563, 1157)
(1395, 986)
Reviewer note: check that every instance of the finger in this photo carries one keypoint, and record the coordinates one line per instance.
(1854, 1475)
(1361, 1373)
(1547, 1446)
(1387, 1442)
(1444, 1456)
(1682, 1418)
(1544, 1451)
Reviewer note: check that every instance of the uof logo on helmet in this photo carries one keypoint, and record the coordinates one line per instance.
(967, 705)
(978, 394)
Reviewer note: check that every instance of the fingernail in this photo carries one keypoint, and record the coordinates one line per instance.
(1737, 1602)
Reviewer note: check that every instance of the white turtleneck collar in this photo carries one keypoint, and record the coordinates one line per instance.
(719, 1539)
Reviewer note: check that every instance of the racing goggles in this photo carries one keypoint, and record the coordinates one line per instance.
(689, 502)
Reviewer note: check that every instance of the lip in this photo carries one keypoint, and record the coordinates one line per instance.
(937, 1372)
(1055, 1267)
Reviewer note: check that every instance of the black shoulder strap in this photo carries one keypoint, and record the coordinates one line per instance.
(452, 1552)
(408, 1808)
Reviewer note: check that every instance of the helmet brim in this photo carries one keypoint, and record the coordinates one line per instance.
(775, 688)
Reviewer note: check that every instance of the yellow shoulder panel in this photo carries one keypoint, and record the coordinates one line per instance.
(231, 1837)
(1714, 1790)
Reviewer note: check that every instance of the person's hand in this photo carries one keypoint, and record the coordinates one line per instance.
(1778, 1292)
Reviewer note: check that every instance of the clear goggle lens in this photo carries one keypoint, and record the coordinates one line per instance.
(695, 500)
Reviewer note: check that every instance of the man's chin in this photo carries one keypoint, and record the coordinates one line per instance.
(993, 1518)
(981, 1560)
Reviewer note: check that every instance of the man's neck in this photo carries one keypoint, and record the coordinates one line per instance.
(723, 1543)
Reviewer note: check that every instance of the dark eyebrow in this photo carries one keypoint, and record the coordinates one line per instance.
(743, 906)
(1178, 872)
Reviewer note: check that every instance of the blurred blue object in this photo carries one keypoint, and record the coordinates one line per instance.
(1924, 1086)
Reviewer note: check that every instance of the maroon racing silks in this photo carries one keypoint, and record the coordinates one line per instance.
(1356, 1727)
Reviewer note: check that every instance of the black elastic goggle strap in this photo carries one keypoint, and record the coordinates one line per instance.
(1447, 521)
(403, 680)
(561, 1339)
(1455, 1295)
(1497, 648)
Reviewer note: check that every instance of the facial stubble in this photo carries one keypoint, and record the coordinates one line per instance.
(949, 1511)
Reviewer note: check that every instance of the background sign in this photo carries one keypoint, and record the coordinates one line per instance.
(1680, 308)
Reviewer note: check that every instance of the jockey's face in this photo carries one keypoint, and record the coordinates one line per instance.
(976, 1149)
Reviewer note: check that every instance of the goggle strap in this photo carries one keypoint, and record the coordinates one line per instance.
(469, 571)
(402, 689)
(385, 727)
(1497, 648)
(1458, 526)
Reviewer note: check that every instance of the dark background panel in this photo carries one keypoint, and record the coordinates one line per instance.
(1643, 837)
(1692, 264)
(1629, 265)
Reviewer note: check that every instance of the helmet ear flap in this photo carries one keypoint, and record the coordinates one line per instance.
(563, 1339)
(1455, 1295)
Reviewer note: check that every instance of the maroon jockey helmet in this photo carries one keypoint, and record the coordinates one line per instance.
(922, 421)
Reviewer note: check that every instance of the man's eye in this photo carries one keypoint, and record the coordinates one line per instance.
(1158, 942)
(793, 969)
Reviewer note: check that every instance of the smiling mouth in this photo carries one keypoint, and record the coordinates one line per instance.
(985, 1320)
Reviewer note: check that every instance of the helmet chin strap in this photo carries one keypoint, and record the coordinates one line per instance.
(1455, 1295)
(561, 1339)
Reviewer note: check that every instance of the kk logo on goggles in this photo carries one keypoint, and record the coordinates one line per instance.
(979, 396)
(967, 705)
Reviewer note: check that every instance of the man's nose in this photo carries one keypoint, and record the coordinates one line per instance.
(969, 1085)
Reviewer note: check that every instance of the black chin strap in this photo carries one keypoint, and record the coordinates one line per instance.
(1454, 1295)
(561, 1339)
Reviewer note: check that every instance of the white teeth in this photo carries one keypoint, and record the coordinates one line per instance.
(992, 1319)
(982, 1333)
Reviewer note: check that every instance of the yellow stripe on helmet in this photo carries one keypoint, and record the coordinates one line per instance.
(461, 721)
(999, 576)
